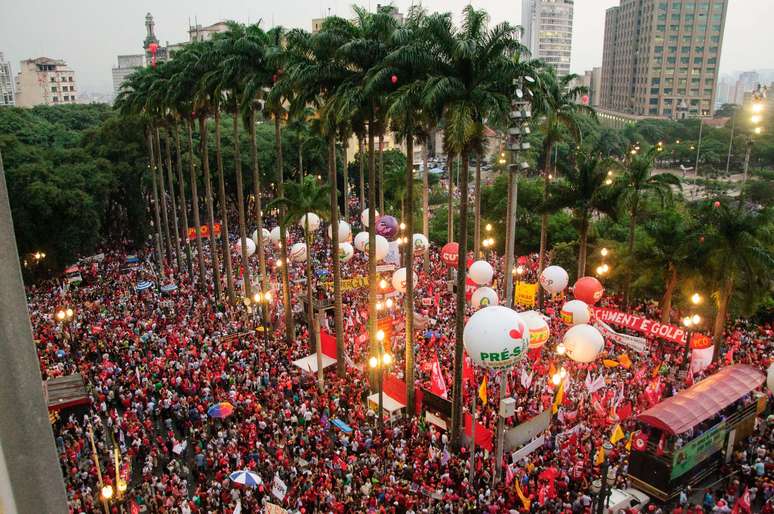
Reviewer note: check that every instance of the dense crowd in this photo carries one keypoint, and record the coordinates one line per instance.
(155, 362)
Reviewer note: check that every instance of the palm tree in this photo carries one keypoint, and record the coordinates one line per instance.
(299, 200)
(586, 189)
(554, 102)
(470, 79)
(637, 181)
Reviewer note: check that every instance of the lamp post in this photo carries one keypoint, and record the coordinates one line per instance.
(378, 363)
(106, 490)
(65, 315)
(758, 95)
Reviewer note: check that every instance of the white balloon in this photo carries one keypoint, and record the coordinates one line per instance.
(266, 236)
(575, 312)
(346, 251)
(314, 221)
(297, 252)
(538, 328)
(399, 280)
(345, 231)
(770, 378)
(583, 343)
(274, 235)
(364, 217)
(484, 297)
(496, 337)
(421, 244)
(554, 279)
(361, 240)
(250, 247)
(382, 247)
(481, 272)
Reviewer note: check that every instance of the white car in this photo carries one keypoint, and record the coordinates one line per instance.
(622, 499)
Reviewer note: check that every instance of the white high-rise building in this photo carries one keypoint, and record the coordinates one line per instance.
(127, 64)
(6, 83)
(548, 31)
(45, 81)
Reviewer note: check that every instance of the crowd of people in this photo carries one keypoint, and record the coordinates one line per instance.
(155, 362)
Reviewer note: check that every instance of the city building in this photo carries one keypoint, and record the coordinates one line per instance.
(394, 12)
(45, 81)
(6, 83)
(548, 31)
(127, 64)
(659, 54)
(591, 80)
(199, 33)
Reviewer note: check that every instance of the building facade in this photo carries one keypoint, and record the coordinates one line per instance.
(548, 31)
(660, 54)
(45, 81)
(127, 64)
(7, 97)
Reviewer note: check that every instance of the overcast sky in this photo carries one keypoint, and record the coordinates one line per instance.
(88, 34)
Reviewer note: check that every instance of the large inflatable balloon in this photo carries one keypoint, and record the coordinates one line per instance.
(361, 240)
(382, 247)
(421, 244)
(274, 235)
(496, 337)
(297, 252)
(575, 312)
(364, 217)
(538, 328)
(588, 289)
(399, 280)
(314, 221)
(554, 279)
(237, 247)
(345, 231)
(583, 343)
(483, 297)
(481, 272)
(387, 226)
(346, 251)
(449, 254)
(266, 234)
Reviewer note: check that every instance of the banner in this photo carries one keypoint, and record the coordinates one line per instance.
(278, 488)
(524, 294)
(698, 450)
(702, 351)
(347, 284)
(273, 508)
(638, 344)
(527, 449)
(525, 432)
(204, 231)
(641, 324)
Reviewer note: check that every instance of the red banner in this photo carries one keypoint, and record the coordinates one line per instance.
(204, 231)
(641, 324)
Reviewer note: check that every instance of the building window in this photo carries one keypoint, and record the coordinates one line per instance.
(53, 89)
(55, 99)
(697, 60)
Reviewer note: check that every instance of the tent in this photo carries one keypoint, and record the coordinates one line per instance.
(391, 406)
(309, 363)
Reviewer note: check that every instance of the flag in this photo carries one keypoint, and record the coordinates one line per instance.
(629, 442)
(640, 442)
(437, 382)
(625, 361)
(482, 389)
(609, 363)
(742, 503)
(526, 379)
(595, 385)
(467, 369)
(624, 411)
(618, 434)
(551, 370)
(559, 397)
(524, 500)
(599, 457)
(508, 475)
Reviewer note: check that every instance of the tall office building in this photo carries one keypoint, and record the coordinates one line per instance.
(45, 81)
(6, 83)
(548, 31)
(127, 64)
(659, 55)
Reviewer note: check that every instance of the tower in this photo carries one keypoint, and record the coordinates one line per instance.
(150, 27)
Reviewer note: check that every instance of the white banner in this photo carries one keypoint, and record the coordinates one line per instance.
(638, 344)
(278, 488)
(701, 358)
(527, 449)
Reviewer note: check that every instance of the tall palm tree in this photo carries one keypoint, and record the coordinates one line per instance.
(299, 200)
(638, 181)
(555, 104)
(586, 189)
(470, 80)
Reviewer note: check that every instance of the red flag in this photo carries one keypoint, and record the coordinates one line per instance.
(508, 475)
(624, 411)
(742, 503)
(467, 369)
(640, 442)
(437, 382)
(133, 507)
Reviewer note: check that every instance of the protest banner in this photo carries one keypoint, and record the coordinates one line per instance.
(640, 324)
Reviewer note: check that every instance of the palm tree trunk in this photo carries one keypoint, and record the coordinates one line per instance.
(341, 368)
(313, 326)
(477, 210)
(372, 242)
(257, 205)
(425, 205)
(409, 265)
(289, 331)
(246, 276)
(223, 212)
(345, 171)
(456, 435)
(720, 318)
(582, 247)
(361, 152)
(300, 159)
(381, 173)
(544, 221)
(666, 300)
(163, 199)
(210, 206)
(450, 200)
(157, 216)
(173, 201)
(195, 209)
(183, 205)
(630, 246)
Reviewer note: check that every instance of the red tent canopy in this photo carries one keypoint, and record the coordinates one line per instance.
(688, 408)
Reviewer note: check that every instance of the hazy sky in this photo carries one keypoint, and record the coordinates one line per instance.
(89, 34)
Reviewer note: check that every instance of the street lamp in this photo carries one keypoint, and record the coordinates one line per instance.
(378, 363)
(696, 298)
(757, 107)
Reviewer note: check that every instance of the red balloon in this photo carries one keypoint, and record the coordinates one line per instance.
(588, 289)
(585, 99)
(716, 204)
(394, 79)
(449, 254)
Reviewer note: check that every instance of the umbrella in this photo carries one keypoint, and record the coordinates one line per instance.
(168, 288)
(220, 410)
(143, 285)
(342, 426)
(246, 478)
